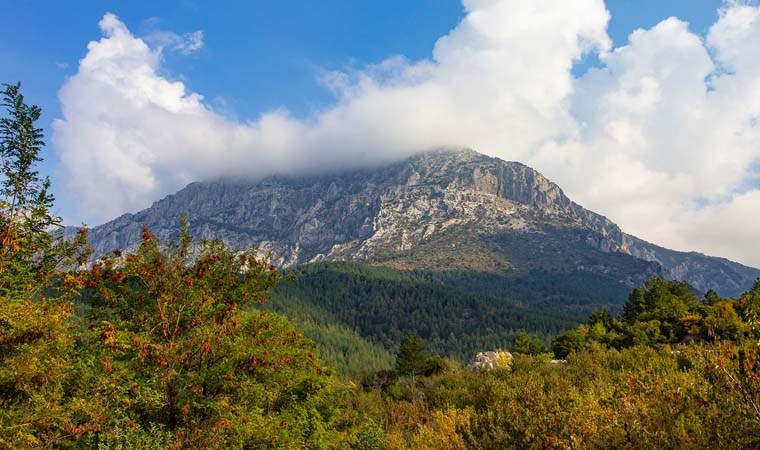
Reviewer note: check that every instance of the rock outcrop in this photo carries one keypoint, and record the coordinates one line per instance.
(443, 209)
(485, 361)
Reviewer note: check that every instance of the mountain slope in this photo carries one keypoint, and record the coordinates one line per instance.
(437, 210)
(458, 313)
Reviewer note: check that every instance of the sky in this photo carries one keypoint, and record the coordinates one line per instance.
(646, 112)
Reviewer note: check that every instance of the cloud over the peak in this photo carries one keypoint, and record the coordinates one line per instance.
(662, 137)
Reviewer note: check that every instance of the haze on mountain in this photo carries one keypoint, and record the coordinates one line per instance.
(447, 210)
(659, 134)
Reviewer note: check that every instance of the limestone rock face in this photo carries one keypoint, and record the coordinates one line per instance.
(485, 361)
(454, 209)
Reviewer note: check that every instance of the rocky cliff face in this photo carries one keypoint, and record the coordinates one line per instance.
(444, 209)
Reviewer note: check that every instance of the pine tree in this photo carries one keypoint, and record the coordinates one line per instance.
(35, 296)
(527, 345)
(412, 358)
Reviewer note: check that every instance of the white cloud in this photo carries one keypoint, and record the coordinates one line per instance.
(662, 151)
(661, 138)
(185, 44)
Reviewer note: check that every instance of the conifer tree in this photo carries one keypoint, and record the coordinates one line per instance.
(527, 345)
(35, 296)
(412, 358)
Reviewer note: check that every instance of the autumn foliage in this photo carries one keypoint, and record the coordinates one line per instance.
(175, 346)
(37, 284)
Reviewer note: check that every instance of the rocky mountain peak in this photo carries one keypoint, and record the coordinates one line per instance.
(467, 169)
(445, 209)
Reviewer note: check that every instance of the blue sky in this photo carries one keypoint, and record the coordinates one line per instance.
(259, 55)
(632, 131)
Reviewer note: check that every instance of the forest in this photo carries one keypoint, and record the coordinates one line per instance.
(177, 346)
(457, 313)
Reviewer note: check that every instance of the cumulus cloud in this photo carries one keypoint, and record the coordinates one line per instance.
(662, 137)
(667, 136)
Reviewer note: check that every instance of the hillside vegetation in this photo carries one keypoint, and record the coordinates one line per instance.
(174, 346)
(458, 313)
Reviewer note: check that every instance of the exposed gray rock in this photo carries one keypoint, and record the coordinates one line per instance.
(485, 361)
(370, 215)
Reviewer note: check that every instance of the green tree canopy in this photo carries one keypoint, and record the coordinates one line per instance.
(664, 301)
(175, 346)
(412, 358)
(526, 344)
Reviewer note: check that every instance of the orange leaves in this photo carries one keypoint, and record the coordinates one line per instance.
(80, 430)
(8, 240)
(107, 365)
(194, 322)
(205, 298)
(95, 271)
(691, 323)
(108, 334)
(72, 282)
(140, 344)
(147, 235)
(92, 278)
(40, 380)
(224, 424)
(187, 334)
(119, 277)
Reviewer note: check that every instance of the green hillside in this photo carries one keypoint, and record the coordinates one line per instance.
(458, 313)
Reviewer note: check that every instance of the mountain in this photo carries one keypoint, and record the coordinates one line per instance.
(452, 210)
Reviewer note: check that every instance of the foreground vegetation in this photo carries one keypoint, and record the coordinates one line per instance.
(623, 389)
(641, 397)
(165, 347)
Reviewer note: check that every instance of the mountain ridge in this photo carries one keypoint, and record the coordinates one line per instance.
(429, 200)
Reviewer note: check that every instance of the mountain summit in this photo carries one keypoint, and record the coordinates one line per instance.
(439, 210)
